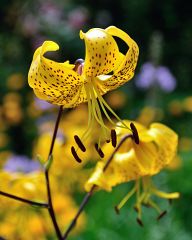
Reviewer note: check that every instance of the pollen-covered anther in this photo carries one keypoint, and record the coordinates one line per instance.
(113, 138)
(79, 143)
(139, 221)
(117, 210)
(161, 215)
(135, 133)
(99, 151)
(77, 158)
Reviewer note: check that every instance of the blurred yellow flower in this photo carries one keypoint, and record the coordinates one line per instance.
(176, 107)
(11, 108)
(4, 155)
(156, 150)
(16, 81)
(117, 99)
(175, 164)
(150, 114)
(12, 97)
(4, 139)
(35, 227)
(105, 68)
(185, 144)
(188, 104)
(19, 220)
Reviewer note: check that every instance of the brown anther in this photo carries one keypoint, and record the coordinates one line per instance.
(146, 205)
(75, 155)
(136, 209)
(79, 143)
(135, 133)
(139, 222)
(108, 141)
(162, 215)
(99, 151)
(116, 209)
(113, 138)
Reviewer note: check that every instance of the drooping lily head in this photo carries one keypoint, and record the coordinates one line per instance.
(137, 162)
(105, 68)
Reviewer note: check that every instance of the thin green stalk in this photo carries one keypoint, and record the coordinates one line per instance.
(90, 193)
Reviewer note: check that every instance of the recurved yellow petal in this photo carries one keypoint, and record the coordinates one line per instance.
(146, 154)
(57, 82)
(123, 168)
(102, 52)
(98, 178)
(167, 141)
(126, 68)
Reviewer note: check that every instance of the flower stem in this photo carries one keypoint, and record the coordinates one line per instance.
(50, 204)
(90, 193)
(83, 204)
(55, 130)
(38, 204)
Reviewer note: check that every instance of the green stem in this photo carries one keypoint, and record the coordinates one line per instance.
(38, 204)
(90, 193)
(50, 204)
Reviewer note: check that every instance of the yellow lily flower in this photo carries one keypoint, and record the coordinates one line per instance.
(155, 151)
(105, 68)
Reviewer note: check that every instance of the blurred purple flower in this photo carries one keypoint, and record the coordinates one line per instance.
(151, 75)
(78, 17)
(43, 105)
(165, 79)
(20, 163)
(29, 25)
(50, 12)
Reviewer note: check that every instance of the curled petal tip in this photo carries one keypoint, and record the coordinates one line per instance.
(110, 27)
(81, 34)
(50, 45)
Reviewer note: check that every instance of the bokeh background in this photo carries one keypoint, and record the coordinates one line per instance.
(160, 91)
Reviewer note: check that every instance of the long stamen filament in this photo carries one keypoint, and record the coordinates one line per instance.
(101, 99)
(105, 112)
(97, 112)
(138, 204)
(155, 206)
(90, 116)
(103, 107)
(100, 116)
(96, 109)
(138, 190)
(126, 198)
(146, 182)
